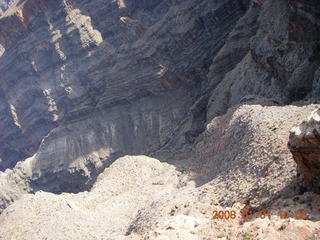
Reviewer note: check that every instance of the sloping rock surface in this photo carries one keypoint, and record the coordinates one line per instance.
(85, 82)
(139, 197)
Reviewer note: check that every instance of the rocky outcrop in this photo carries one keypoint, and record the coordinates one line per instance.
(304, 144)
(240, 160)
(193, 83)
(273, 53)
(87, 81)
(124, 188)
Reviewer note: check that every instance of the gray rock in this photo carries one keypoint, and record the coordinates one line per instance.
(85, 82)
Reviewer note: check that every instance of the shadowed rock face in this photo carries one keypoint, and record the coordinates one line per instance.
(93, 80)
(273, 55)
(304, 144)
(84, 82)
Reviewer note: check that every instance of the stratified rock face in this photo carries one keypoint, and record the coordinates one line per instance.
(84, 82)
(93, 80)
(304, 144)
(243, 155)
(273, 53)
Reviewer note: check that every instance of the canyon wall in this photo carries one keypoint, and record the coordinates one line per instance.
(85, 82)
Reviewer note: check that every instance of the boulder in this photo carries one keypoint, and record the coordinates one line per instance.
(304, 144)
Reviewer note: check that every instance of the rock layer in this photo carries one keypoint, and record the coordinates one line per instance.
(304, 144)
(84, 82)
(88, 81)
(273, 55)
(139, 197)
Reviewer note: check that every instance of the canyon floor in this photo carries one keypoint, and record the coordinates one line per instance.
(240, 163)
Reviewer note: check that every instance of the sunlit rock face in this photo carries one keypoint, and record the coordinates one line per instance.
(85, 81)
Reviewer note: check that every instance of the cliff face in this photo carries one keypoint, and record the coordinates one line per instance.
(84, 82)
(90, 80)
(193, 83)
(304, 145)
(279, 61)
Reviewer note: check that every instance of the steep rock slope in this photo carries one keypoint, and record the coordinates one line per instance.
(85, 82)
(274, 55)
(121, 190)
(93, 80)
(139, 197)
